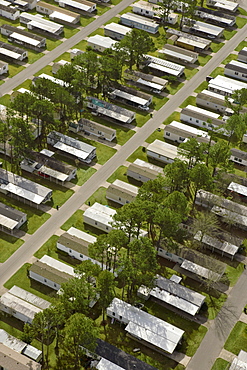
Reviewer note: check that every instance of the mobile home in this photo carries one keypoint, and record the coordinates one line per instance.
(236, 69)
(93, 128)
(214, 101)
(143, 171)
(116, 31)
(121, 192)
(190, 42)
(146, 81)
(164, 67)
(12, 53)
(215, 17)
(225, 86)
(242, 55)
(223, 5)
(83, 6)
(25, 38)
(200, 117)
(176, 53)
(4, 67)
(132, 97)
(11, 219)
(202, 29)
(163, 152)
(152, 11)
(8, 11)
(179, 132)
(39, 24)
(100, 43)
(239, 157)
(139, 22)
(57, 14)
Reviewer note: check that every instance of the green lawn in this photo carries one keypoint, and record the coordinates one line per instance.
(142, 118)
(229, 34)
(68, 31)
(138, 153)
(47, 70)
(155, 135)
(217, 71)
(233, 273)
(174, 87)
(99, 196)
(220, 364)
(76, 220)
(33, 56)
(175, 116)
(99, 31)
(113, 20)
(5, 99)
(241, 45)
(83, 174)
(14, 69)
(189, 73)
(102, 8)
(21, 279)
(215, 47)
(242, 11)
(84, 21)
(240, 22)
(52, 44)
(120, 174)
(201, 87)
(82, 45)
(126, 10)
(190, 100)
(194, 332)
(8, 245)
(64, 56)
(159, 101)
(26, 85)
(49, 248)
(203, 59)
(229, 58)
(237, 339)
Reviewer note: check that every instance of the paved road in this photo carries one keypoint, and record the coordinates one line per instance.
(62, 48)
(25, 252)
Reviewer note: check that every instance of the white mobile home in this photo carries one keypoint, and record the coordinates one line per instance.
(202, 29)
(57, 65)
(8, 11)
(116, 31)
(163, 152)
(215, 17)
(143, 171)
(152, 11)
(132, 97)
(23, 37)
(176, 53)
(51, 78)
(121, 192)
(110, 111)
(104, 364)
(22, 189)
(225, 86)
(242, 55)
(213, 101)
(12, 53)
(236, 69)
(194, 269)
(57, 14)
(178, 132)
(238, 190)
(146, 81)
(4, 67)
(93, 128)
(223, 247)
(74, 52)
(11, 219)
(145, 327)
(239, 157)
(223, 5)
(37, 23)
(100, 43)
(83, 6)
(101, 217)
(200, 117)
(139, 22)
(190, 42)
(71, 147)
(170, 292)
(240, 362)
(10, 359)
(164, 66)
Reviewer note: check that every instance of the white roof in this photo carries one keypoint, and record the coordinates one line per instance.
(164, 69)
(62, 16)
(71, 150)
(238, 64)
(103, 41)
(23, 193)
(193, 42)
(9, 53)
(47, 152)
(222, 246)
(28, 40)
(29, 297)
(18, 305)
(139, 19)
(147, 327)
(76, 4)
(8, 222)
(215, 95)
(234, 217)
(53, 79)
(53, 173)
(176, 54)
(150, 84)
(115, 115)
(200, 270)
(107, 365)
(40, 22)
(11, 342)
(240, 362)
(164, 149)
(165, 63)
(237, 188)
(100, 213)
(207, 28)
(226, 84)
(130, 97)
(205, 112)
(226, 5)
(119, 28)
(82, 235)
(126, 186)
(148, 165)
(60, 266)
(189, 129)
(145, 5)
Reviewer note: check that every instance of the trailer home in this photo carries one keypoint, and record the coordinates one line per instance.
(190, 42)
(100, 43)
(71, 147)
(25, 38)
(236, 69)
(215, 17)
(110, 111)
(213, 101)
(146, 328)
(239, 362)
(57, 14)
(11, 219)
(37, 23)
(178, 54)
(121, 192)
(163, 152)
(8, 11)
(237, 190)
(139, 22)
(116, 31)
(215, 244)
(179, 132)
(164, 67)
(200, 117)
(82, 6)
(239, 157)
(12, 53)
(202, 29)
(93, 128)
(146, 81)
(143, 171)
(225, 86)
(152, 11)
(242, 55)
(10, 359)
(224, 5)
(132, 97)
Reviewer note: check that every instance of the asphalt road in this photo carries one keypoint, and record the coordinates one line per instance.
(62, 48)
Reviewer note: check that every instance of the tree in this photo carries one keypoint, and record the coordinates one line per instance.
(219, 155)
(237, 100)
(23, 105)
(165, 8)
(106, 288)
(136, 43)
(80, 333)
(187, 9)
(193, 151)
(235, 127)
(167, 221)
(201, 178)
(177, 175)
(206, 223)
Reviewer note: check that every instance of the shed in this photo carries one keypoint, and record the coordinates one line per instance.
(143, 171)
(11, 219)
(139, 22)
(179, 132)
(144, 327)
(121, 192)
(225, 86)
(100, 43)
(236, 69)
(177, 53)
(163, 152)
(116, 31)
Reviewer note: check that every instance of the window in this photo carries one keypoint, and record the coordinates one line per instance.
(106, 227)
(120, 317)
(119, 198)
(197, 121)
(96, 223)
(45, 280)
(70, 251)
(81, 255)
(190, 119)
(236, 73)
(55, 285)
(181, 138)
(168, 134)
(113, 313)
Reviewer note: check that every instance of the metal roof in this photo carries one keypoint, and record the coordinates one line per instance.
(77, 4)
(186, 129)
(200, 270)
(18, 305)
(147, 327)
(235, 65)
(11, 342)
(237, 188)
(63, 267)
(29, 297)
(49, 272)
(9, 53)
(165, 63)
(139, 19)
(222, 246)
(22, 193)
(122, 189)
(100, 213)
(8, 222)
(82, 235)
(233, 217)
(226, 84)
(207, 28)
(53, 79)
(202, 111)
(240, 362)
(71, 150)
(40, 22)
(164, 149)
(126, 96)
(102, 41)
(107, 365)
(13, 360)
(63, 17)
(176, 54)
(148, 165)
(74, 243)
(26, 39)
(118, 28)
